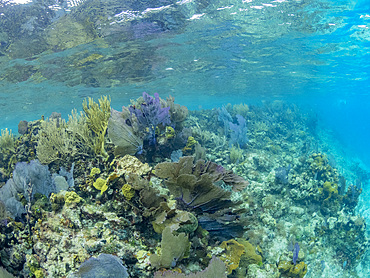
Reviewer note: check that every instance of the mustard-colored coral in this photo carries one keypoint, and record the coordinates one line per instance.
(112, 177)
(299, 270)
(250, 256)
(331, 200)
(72, 198)
(57, 201)
(39, 274)
(329, 189)
(170, 132)
(233, 251)
(94, 171)
(101, 185)
(288, 269)
(189, 145)
(127, 191)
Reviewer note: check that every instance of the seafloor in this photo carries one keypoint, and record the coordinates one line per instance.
(157, 190)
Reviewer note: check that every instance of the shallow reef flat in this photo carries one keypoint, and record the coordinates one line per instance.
(157, 190)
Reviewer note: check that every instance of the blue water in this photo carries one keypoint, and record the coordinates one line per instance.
(204, 53)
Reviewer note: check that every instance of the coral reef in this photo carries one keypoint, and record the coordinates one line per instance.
(145, 128)
(110, 195)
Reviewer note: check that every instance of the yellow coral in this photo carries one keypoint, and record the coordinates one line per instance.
(72, 198)
(101, 185)
(170, 132)
(189, 145)
(250, 256)
(330, 188)
(299, 270)
(112, 177)
(97, 116)
(233, 251)
(290, 270)
(94, 171)
(39, 274)
(127, 191)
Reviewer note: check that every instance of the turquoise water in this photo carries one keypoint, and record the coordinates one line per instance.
(314, 54)
(204, 53)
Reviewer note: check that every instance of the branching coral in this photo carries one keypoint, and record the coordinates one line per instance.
(97, 116)
(236, 154)
(82, 135)
(7, 140)
(54, 142)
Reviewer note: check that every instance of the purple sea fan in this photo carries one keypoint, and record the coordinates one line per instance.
(295, 252)
(239, 132)
(150, 115)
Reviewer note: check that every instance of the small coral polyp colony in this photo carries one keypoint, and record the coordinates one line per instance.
(156, 190)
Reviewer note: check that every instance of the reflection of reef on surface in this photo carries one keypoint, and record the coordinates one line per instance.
(155, 188)
(88, 44)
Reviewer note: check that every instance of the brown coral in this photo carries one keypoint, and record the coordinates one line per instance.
(173, 249)
(195, 184)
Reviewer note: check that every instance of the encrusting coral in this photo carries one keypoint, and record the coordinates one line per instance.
(131, 165)
(288, 269)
